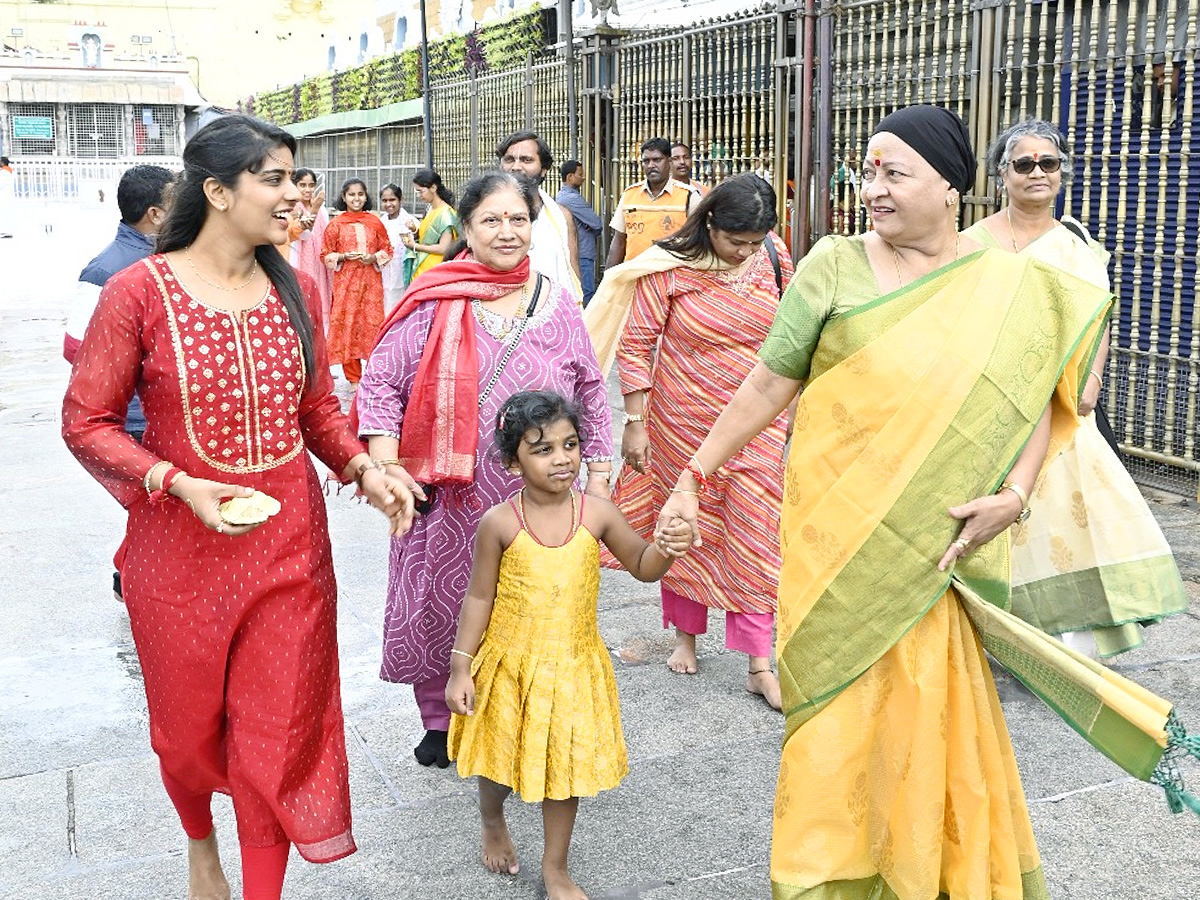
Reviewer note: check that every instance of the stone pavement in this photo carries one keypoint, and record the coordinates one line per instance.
(83, 814)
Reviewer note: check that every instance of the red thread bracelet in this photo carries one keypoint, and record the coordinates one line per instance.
(693, 469)
(168, 479)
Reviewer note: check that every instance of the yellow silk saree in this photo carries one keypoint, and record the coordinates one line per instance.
(898, 780)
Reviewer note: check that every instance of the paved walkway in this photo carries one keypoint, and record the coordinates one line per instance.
(82, 813)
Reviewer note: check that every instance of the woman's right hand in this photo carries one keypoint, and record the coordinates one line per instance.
(460, 693)
(635, 446)
(204, 498)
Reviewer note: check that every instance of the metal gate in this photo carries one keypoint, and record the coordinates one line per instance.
(472, 115)
(1120, 78)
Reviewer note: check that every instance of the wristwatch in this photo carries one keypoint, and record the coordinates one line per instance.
(635, 417)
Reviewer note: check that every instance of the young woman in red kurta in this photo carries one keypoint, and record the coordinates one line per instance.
(356, 249)
(234, 624)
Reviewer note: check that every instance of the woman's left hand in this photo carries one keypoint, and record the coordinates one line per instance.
(597, 485)
(391, 496)
(983, 518)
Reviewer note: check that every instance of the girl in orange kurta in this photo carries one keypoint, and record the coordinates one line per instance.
(356, 248)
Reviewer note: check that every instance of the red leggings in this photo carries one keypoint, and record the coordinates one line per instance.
(263, 868)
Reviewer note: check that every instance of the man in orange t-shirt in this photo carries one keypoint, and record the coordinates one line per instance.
(652, 209)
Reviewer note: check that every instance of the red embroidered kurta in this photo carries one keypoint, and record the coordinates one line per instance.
(357, 312)
(236, 635)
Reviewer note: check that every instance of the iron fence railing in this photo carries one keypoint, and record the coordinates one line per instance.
(1120, 78)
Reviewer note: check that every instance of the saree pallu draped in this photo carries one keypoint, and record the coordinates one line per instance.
(1091, 557)
(898, 780)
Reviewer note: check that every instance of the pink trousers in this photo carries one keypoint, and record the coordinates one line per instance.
(431, 701)
(748, 633)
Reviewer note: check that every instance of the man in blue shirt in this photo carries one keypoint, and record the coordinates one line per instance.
(143, 209)
(587, 223)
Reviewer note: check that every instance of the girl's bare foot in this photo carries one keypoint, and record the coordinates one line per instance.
(559, 885)
(206, 879)
(682, 660)
(499, 854)
(764, 683)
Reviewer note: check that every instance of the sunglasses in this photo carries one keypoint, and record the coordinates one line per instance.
(1025, 164)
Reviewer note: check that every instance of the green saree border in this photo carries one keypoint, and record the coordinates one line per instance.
(875, 887)
(1002, 412)
(1067, 602)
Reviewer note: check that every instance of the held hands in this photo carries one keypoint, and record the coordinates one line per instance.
(983, 518)
(460, 693)
(203, 498)
(674, 539)
(392, 493)
(683, 507)
(635, 446)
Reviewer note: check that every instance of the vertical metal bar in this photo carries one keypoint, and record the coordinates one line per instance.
(565, 12)
(804, 115)
(427, 103)
(825, 119)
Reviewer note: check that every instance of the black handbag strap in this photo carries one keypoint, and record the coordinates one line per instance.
(773, 254)
(537, 293)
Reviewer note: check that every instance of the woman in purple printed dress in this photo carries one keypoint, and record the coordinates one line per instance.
(467, 335)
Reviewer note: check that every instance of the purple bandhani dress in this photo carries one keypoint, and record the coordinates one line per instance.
(430, 566)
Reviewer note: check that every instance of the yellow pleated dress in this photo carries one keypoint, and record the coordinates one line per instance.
(547, 722)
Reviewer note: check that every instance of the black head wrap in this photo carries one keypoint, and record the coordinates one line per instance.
(939, 136)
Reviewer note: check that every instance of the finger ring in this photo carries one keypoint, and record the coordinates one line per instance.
(962, 544)
(220, 527)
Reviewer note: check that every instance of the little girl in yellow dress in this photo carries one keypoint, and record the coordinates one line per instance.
(531, 683)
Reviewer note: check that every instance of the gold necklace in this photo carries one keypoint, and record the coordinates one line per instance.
(574, 518)
(1011, 233)
(220, 287)
(896, 257)
(510, 322)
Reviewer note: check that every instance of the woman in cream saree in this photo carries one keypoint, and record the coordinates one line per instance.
(1091, 564)
(935, 373)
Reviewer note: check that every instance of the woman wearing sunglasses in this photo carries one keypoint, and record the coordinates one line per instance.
(1091, 563)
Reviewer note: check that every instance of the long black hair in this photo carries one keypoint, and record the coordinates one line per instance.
(742, 203)
(225, 149)
(427, 178)
(480, 188)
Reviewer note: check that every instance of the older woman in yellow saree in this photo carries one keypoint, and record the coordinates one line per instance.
(937, 376)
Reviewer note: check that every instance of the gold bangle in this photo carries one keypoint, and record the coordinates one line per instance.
(682, 491)
(1094, 374)
(385, 462)
(1016, 489)
(462, 653)
(150, 473)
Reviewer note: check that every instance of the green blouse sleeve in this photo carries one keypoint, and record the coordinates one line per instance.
(803, 312)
